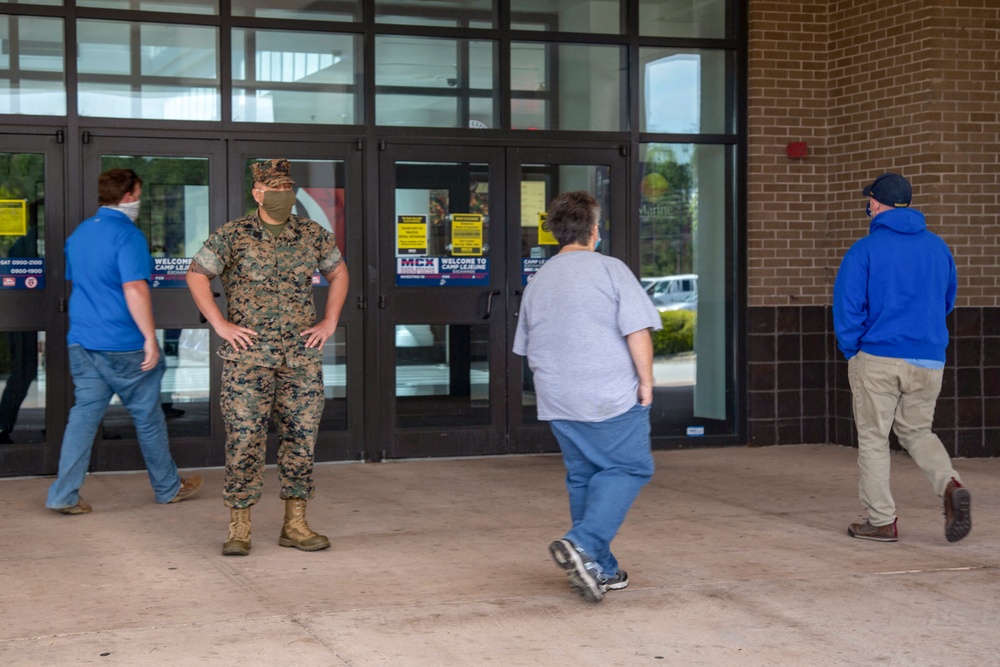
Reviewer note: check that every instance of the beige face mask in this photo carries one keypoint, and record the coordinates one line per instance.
(278, 204)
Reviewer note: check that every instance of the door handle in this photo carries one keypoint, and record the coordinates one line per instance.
(518, 293)
(489, 303)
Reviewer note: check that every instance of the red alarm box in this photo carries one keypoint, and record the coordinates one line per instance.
(797, 150)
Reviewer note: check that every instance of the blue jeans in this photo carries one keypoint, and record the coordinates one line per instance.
(607, 464)
(97, 376)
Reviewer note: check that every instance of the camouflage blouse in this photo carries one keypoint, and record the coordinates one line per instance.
(268, 284)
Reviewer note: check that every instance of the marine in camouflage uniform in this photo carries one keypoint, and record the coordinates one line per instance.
(272, 348)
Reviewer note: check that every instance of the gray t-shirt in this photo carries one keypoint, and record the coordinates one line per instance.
(574, 317)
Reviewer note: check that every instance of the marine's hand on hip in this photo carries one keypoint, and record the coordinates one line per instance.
(319, 333)
(241, 338)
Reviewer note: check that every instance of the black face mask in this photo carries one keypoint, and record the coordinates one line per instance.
(868, 208)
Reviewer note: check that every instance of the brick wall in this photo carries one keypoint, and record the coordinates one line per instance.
(787, 204)
(910, 86)
(905, 85)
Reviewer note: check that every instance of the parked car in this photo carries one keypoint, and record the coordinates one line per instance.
(689, 303)
(665, 290)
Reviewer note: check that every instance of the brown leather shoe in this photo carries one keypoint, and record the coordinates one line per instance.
(957, 511)
(81, 507)
(866, 531)
(189, 487)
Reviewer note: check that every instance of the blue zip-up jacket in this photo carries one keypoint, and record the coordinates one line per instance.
(894, 289)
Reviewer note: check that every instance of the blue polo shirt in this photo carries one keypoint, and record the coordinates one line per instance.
(104, 252)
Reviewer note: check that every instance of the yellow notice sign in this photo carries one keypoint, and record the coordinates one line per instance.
(532, 202)
(13, 217)
(545, 237)
(467, 235)
(411, 235)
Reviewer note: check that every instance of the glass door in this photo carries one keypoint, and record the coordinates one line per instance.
(536, 176)
(441, 303)
(32, 292)
(181, 201)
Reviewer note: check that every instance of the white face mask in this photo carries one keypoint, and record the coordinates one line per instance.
(131, 209)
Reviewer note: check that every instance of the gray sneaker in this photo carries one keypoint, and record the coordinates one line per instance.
(581, 570)
(616, 582)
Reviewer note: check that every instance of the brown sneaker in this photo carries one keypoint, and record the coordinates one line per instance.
(957, 511)
(189, 487)
(81, 507)
(866, 531)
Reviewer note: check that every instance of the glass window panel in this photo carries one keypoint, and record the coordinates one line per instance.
(22, 231)
(184, 390)
(430, 82)
(481, 65)
(335, 382)
(49, 3)
(35, 98)
(454, 13)
(40, 44)
(179, 51)
(32, 80)
(172, 6)
(425, 111)
(683, 91)
(442, 375)
(316, 10)
(599, 16)
(177, 77)
(529, 114)
(296, 77)
(22, 387)
(174, 214)
(434, 192)
(104, 47)
(582, 86)
(540, 183)
(683, 18)
(684, 195)
(108, 100)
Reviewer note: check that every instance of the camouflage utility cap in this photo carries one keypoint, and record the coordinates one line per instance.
(272, 173)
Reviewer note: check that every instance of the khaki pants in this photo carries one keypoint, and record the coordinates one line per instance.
(892, 394)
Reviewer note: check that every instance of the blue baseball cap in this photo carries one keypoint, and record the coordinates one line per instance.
(890, 189)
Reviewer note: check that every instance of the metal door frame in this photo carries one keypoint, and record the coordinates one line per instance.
(20, 310)
(466, 306)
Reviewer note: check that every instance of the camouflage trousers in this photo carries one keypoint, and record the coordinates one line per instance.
(250, 396)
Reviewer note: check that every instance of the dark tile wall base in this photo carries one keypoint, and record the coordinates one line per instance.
(798, 390)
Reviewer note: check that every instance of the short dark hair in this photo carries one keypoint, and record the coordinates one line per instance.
(571, 217)
(114, 184)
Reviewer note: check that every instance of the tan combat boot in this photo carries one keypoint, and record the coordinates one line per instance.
(238, 543)
(296, 532)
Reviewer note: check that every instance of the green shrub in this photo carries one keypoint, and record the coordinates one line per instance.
(677, 334)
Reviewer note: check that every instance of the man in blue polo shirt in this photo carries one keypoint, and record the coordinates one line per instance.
(112, 345)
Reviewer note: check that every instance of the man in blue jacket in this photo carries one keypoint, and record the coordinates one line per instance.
(893, 291)
(112, 345)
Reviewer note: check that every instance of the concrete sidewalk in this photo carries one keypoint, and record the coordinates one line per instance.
(736, 556)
